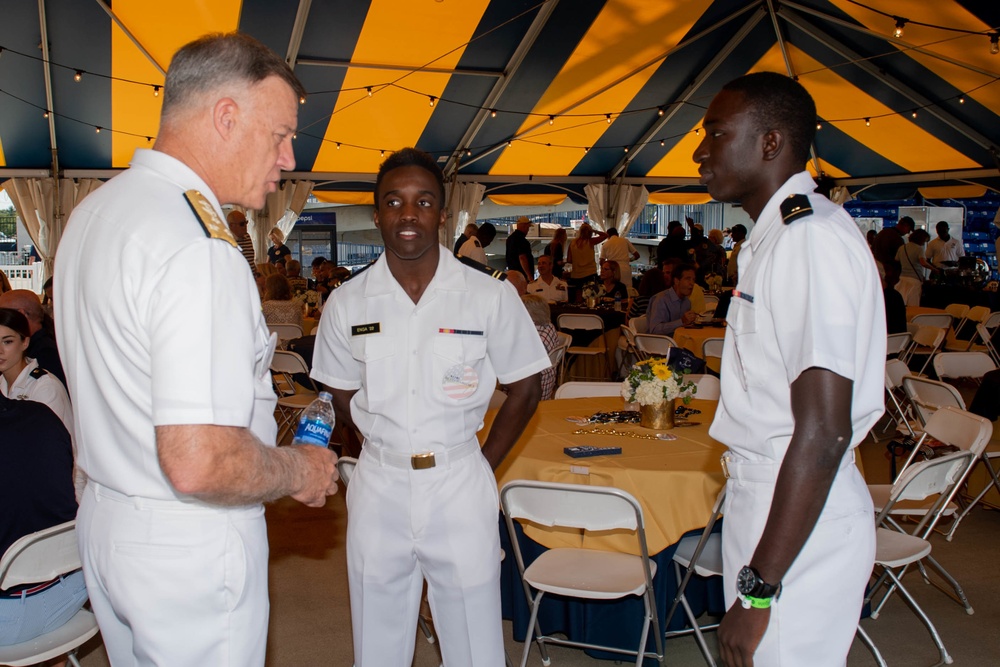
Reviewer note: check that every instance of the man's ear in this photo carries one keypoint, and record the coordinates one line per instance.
(225, 114)
(772, 143)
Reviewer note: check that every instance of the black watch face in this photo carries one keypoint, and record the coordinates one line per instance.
(746, 581)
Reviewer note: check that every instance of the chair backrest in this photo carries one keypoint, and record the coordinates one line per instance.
(567, 339)
(963, 364)
(708, 386)
(629, 334)
(957, 310)
(654, 345)
(632, 292)
(928, 336)
(288, 362)
(712, 347)
(40, 556)
(954, 426)
(556, 354)
(928, 396)
(897, 342)
(924, 479)
(579, 506)
(895, 371)
(992, 321)
(978, 314)
(286, 331)
(939, 320)
(639, 324)
(345, 467)
(711, 302)
(584, 321)
(588, 389)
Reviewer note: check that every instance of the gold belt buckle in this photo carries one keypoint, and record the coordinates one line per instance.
(422, 461)
(724, 460)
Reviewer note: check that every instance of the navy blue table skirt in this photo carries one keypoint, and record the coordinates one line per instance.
(613, 623)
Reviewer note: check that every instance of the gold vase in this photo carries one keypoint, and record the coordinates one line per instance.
(659, 417)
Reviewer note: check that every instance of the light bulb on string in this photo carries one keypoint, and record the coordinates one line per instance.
(961, 100)
(552, 119)
(493, 113)
(900, 24)
(369, 89)
(97, 129)
(659, 112)
(697, 132)
(381, 153)
(432, 102)
(156, 91)
(995, 43)
(914, 114)
(338, 145)
(626, 149)
(608, 117)
(662, 142)
(78, 75)
(46, 114)
(819, 126)
(302, 100)
(868, 122)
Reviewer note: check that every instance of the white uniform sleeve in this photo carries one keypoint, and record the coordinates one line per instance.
(817, 322)
(333, 364)
(202, 325)
(515, 349)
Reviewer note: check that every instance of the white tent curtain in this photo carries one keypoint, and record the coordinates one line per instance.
(463, 206)
(839, 195)
(620, 212)
(43, 213)
(281, 210)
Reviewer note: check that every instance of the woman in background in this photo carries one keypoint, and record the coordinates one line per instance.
(581, 256)
(278, 250)
(611, 285)
(278, 305)
(556, 249)
(20, 376)
(541, 316)
(914, 267)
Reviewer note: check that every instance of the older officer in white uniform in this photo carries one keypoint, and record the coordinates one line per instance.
(801, 386)
(167, 358)
(413, 348)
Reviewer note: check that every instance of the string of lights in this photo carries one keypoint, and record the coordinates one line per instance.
(900, 23)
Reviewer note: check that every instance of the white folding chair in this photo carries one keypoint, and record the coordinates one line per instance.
(712, 348)
(895, 550)
(896, 343)
(960, 314)
(957, 365)
(939, 320)
(711, 303)
(43, 556)
(653, 345)
(287, 366)
(567, 341)
(285, 332)
(897, 405)
(707, 387)
(701, 555)
(970, 434)
(598, 349)
(928, 396)
(639, 324)
(590, 574)
(927, 340)
(986, 335)
(588, 389)
(626, 349)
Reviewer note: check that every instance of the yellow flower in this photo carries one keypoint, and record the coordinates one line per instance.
(661, 371)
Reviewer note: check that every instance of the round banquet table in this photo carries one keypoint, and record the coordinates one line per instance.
(692, 337)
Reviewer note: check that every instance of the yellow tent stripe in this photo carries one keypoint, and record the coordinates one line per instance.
(3, 161)
(679, 198)
(345, 197)
(953, 192)
(527, 200)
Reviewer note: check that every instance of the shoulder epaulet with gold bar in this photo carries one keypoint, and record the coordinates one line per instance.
(488, 270)
(795, 207)
(210, 221)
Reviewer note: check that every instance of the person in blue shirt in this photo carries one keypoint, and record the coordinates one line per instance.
(671, 308)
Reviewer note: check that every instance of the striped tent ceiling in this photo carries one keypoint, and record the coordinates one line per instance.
(525, 96)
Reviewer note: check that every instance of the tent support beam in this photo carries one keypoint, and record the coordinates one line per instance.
(49, 104)
(128, 33)
(320, 62)
(866, 66)
(692, 89)
(298, 29)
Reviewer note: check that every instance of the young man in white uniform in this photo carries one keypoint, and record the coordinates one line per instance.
(413, 348)
(802, 381)
(167, 356)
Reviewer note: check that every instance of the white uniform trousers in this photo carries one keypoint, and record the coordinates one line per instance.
(175, 584)
(406, 525)
(813, 620)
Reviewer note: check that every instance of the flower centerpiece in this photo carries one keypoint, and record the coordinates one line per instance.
(654, 386)
(590, 292)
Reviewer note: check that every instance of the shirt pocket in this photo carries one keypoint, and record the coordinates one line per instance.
(378, 373)
(742, 320)
(459, 369)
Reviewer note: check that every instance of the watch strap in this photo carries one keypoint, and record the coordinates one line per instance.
(750, 602)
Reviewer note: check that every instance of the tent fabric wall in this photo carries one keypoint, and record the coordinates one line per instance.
(281, 209)
(463, 205)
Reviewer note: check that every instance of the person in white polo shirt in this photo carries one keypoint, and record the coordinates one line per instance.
(167, 358)
(413, 348)
(802, 383)
(548, 286)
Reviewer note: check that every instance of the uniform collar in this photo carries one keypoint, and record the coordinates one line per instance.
(769, 218)
(19, 381)
(450, 276)
(176, 171)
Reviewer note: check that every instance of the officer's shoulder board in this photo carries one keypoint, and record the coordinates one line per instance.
(795, 207)
(38, 372)
(488, 270)
(214, 226)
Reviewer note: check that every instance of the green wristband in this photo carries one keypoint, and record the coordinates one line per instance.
(755, 603)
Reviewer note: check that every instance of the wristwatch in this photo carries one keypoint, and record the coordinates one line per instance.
(749, 584)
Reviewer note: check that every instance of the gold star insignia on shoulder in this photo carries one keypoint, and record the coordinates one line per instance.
(210, 221)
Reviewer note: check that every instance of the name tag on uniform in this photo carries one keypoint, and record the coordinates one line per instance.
(365, 329)
(460, 332)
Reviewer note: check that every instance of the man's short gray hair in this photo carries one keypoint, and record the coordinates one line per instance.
(215, 60)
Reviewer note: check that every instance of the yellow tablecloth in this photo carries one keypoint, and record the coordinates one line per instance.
(309, 325)
(692, 339)
(676, 481)
(913, 311)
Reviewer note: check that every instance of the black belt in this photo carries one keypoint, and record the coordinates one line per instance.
(27, 590)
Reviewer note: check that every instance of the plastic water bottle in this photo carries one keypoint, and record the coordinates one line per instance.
(316, 422)
(618, 302)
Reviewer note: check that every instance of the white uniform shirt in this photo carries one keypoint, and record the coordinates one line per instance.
(556, 291)
(425, 371)
(619, 249)
(41, 387)
(158, 325)
(473, 250)
(944, 251)
(808, 296)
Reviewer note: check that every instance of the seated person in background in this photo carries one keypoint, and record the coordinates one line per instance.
(475, 247)
(277, 303)
(43, 342)
(541, 316)
(47, 297)
(293, 270)
(611, 286)
(548, 286)
(517, 280)
(895, 307)
(36, 492)
(20, 376)
(986, 402)
(653, 282)
(671, 308)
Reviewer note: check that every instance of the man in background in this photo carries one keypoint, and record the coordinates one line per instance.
(168, 358)
(887, 242)
(475, 247)
(738, 234)
(519, 257)
(238, 226)
(548, 286)
(671, 308)
(468, 233)
(621, 251)
(945, 249)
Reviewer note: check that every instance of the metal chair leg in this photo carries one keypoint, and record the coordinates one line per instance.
(870, 645)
